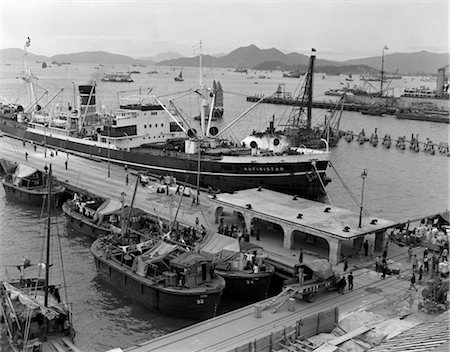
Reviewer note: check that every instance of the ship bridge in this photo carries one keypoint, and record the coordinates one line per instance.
(304, 223)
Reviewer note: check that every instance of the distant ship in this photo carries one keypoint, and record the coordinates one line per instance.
(117, 77)
(179, 78)
(298, 132)
(292, 74)
(438, 97)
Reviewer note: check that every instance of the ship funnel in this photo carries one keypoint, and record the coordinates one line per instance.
(440, 82)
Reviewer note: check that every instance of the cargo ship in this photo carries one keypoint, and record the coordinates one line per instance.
(148, 135)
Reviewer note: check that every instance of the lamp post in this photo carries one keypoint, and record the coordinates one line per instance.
(363, 176)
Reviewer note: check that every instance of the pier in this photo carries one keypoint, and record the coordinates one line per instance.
(329, 105)
(303, 220)
(262, 326)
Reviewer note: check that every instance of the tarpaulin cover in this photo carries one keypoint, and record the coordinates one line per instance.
(156, 254)
(248, 246)
(23, 171)
(187, 259)
(35, 302)
(321, 268)
(445, 216)
(108, 207)
(219, 246)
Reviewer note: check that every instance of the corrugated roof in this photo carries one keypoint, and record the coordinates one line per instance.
(431, 336)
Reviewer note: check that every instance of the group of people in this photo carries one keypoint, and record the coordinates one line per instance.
(233, 231)
(341, 283)
(427, 263)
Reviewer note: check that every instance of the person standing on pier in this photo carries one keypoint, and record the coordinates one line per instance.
(345, 263)
(413, 281)
(26, 155)
(366, 248)
(409, 254)
(414, 263)
(350, 281)
(65, 164)
(126, 179)
(300, 256)
(46, 168)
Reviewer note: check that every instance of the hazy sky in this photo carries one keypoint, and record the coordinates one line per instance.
(336, 29)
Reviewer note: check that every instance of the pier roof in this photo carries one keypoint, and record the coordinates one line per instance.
(283, 208)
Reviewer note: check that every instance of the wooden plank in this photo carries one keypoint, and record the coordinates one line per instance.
(306, 344)
(285, 299)
(56, 345)
(300, 348)
(289, 348)
(350, 335)
(70, 344)
(326, 347)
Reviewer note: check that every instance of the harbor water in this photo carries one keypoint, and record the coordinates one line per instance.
(400, 185)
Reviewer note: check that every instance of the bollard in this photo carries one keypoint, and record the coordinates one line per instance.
(291, 305)
(258, 311)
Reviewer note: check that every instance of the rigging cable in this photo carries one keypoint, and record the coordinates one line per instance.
(349, 190)
(313, 163)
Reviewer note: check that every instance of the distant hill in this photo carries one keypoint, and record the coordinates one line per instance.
(249, 57)
(163, 56)
(406, 63)
(100, 57)
(17, 55)
(252, 57)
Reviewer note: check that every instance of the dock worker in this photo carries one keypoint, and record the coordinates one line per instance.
(366, 248)
(65, 164)
(46, 168)
(350, 281)
(300, 256)
(26, 156)
(126, 179)
(345, 263)
(413, 281)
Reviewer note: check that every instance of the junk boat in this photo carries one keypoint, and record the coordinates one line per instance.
(158, 138)
(95, 217)
(241, 264)
(179, 78)
(161, 276)
(35, 315)
(29, 185)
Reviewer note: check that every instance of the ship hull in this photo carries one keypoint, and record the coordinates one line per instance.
(297, 178)
(195, 305)
(246, 287)
(79, 223)
(32, 197)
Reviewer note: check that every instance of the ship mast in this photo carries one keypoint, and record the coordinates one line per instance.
(382, 69)
(47, 254)
(309, 88)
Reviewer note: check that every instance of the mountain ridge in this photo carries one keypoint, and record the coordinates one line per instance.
(252, 57)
